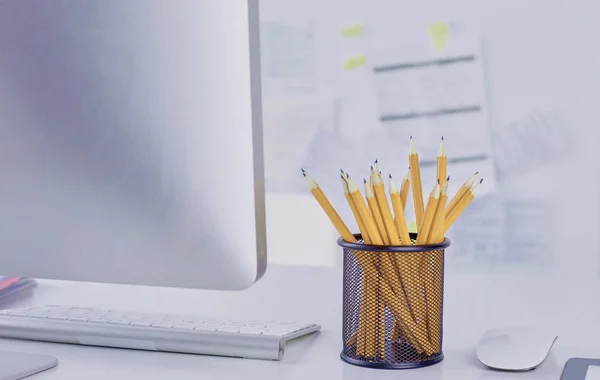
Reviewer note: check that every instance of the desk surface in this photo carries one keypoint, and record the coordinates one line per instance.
(473, 304)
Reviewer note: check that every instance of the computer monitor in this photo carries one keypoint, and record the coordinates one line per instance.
(130, 142)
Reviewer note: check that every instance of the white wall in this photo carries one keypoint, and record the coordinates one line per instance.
(299, 232)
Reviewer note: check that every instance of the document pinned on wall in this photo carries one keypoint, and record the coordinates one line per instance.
(531, 141)
(289, 56)
(427, 94)
(501, 232)
(289, 128)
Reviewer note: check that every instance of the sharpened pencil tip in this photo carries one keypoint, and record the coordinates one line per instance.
(376, 161)
(476, 173)
(365, 180)
(448, 178)
(303, 172)
(442, 149)
(390, 175)
(411, 147)
(480, 182)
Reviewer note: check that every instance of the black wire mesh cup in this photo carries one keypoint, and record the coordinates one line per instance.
(393, 304)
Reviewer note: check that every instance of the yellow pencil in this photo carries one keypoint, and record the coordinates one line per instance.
(442, 163)
(400, 220)
(432, 203)
(460, 194)
(460, 207)
(376, 169)
(380, 222)
(438, 217)
(361, 225)
(399, 217)
(431, 271)
(404, 188)
(415, 176)
(415, 287)
(335, 218)
(368, 289)
(362, 209)
(374, 207)
(384, 207)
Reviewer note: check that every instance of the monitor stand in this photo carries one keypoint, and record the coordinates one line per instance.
(17, 365)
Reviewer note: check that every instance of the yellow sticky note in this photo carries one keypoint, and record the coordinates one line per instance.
(355, 62)
(352, 30)
(412, 226)
(439, 33)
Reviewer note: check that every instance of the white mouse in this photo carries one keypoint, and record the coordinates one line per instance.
(514, 349)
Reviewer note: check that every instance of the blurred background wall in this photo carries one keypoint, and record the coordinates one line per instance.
(512, 85)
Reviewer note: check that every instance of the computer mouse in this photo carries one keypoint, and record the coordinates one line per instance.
(515, 349)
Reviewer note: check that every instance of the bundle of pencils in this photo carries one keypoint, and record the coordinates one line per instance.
(401, 283)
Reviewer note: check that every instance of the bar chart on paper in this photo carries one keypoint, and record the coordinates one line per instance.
(427, 95)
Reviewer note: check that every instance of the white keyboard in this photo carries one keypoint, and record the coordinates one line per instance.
(254, 339)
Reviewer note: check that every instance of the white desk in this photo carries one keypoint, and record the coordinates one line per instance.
(473, 303)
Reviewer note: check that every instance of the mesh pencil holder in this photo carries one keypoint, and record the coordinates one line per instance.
(393, 304)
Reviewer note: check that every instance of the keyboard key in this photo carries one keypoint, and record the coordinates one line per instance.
(96, 314)
(58, 317)
(138, 318)
(184, 326)
(256, 325)
(229, 329)
(118, 317)
(212, 320)
(40, 310)
(77, 312)
(141, 323)
(251, 331)
(98, 320)
(118, 322)
(235, 323)
(78, 319)
(283, 331)
(17, 314)
(206, 328)
(39, 316)
(162, 325)
(272, 333)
